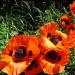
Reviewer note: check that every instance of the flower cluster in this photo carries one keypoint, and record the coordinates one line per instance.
(29, 55)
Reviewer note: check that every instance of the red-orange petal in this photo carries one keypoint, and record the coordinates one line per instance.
(65, 21)
(72, 8)
(48, 28)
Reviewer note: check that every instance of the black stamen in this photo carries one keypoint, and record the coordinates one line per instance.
(52, 55)
(20, 53)
(58, 58)
(55, 39)
(48, 35)
(72, 28)
(30, 53)
(10, 53)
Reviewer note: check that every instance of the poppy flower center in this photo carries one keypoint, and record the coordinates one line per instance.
(33, 64)
(48, 35)
(20, 52)
(55, 39)
(30, 53)
(72, 28)
(52, 55)
(10, 53)
(64, 21)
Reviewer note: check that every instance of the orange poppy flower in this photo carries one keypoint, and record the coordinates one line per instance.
(69, 42)
(51, 36)
(65, 21)
(15, 42)
(72, 39)
(55, 60)
(18, 54)
(72, 8)
(70, 28)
